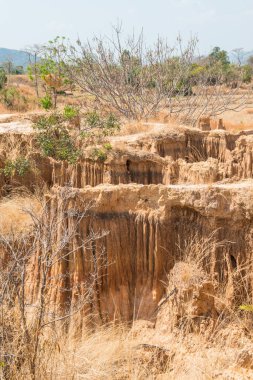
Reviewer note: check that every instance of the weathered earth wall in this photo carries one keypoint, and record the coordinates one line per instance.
(152, 195)
(146, 226)
(184, 156)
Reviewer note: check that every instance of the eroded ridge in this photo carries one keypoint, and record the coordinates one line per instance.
(175, 156)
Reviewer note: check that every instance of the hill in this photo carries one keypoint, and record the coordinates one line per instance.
(17, 57)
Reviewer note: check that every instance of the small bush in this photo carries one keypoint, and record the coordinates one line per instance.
(70, 112)
(93, 119)
(101, 153)
(19, 167)
(247, 74)
(111, 124)
(3, 79)
(107, 146)
(46, 102)
(55, 140)
(107, 125)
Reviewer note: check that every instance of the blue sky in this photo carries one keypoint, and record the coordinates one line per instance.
(226, 23)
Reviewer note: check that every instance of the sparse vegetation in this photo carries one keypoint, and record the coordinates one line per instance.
(103, 126)
(3, 78)
(138, 81)
(19, 166)
(54, 138)
(70, 112)
(46, 102)
(101, 153)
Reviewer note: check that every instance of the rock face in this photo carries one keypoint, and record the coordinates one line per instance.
(204, 123)
(152, 194)
(177, 157)
(180, 157)
(146, 226)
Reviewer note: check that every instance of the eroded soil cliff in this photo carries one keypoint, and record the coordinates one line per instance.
(153, 193)
(167, 221)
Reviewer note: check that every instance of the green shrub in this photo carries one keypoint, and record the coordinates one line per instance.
(247, 74)
(46, 102)
(70, 112)
(101, 153)
(112, 123)
(3, 78)
(107, 146)
(54, 138)
(106, 125)
(19, 167)
(93, 119)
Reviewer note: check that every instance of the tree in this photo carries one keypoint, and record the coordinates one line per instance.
(19, 70)
(52, 66)
(247, 73)
(47, 65)
(127, 76)
(34, 53)
(137, 81)
(239, 56)
(218, 55)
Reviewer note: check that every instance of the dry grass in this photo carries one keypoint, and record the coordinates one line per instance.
(119, 353)
(135, 128)
(3, 109)
(12, 214)
(238, 121)
(19, 80)
(236, 127)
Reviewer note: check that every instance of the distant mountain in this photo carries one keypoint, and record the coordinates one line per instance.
(17, 57)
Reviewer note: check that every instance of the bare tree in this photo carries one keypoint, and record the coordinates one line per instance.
(138, 81)
(239, 55)
(34, 56)
(127, 76)
(26, 318)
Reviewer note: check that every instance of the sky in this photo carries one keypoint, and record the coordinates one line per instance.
(224, 23)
